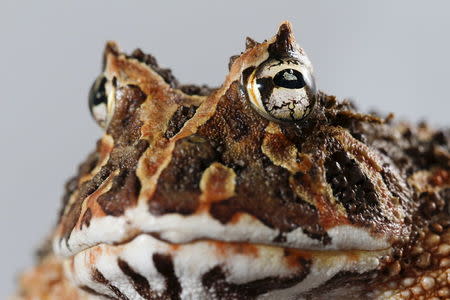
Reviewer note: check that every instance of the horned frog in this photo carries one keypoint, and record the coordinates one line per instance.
(264, 188)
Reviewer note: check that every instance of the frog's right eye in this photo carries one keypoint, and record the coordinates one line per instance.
(99, 102)
(282, 90)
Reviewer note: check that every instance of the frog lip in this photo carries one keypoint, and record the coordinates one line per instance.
(343, 238)
(182, 229)
(224, 242)
(243, 246)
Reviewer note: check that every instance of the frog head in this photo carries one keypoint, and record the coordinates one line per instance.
(261, 186)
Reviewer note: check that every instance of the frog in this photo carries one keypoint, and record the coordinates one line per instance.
(262, 188)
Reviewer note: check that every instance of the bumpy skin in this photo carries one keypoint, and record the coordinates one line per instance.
(192, 194)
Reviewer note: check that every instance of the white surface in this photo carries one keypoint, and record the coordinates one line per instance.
(385, 54)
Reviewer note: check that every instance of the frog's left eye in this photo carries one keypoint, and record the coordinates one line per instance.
(282, 90)
(99, 102)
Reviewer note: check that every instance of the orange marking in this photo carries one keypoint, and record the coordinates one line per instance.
(217, 184)
(94, 253)
(352, 256)
(175, 247)
(91, 201)
(225, 249)
(236, 218)
(329, 213)
(305, 164)
(294, 257)
(440, 177)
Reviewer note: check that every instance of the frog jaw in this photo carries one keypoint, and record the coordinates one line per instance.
(211, 269)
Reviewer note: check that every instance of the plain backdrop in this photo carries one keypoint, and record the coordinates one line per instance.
(390, 55)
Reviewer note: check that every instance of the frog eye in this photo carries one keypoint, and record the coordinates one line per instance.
(99, 103)
(282, 90)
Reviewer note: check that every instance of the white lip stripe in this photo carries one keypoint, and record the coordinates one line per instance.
(181, 229)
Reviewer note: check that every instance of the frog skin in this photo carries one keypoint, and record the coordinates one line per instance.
(263, 188)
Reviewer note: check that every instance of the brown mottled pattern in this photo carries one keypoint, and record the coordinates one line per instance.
(419, 266)
(69, 220)
(178, 186)
(262, 188)
(125, 130)
(421, 269)
(125, 186)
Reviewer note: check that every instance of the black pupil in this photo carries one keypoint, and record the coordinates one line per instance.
(290, 79)
(97, 94)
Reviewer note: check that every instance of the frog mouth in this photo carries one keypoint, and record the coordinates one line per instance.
(176, 229)
(248, 247)
(204, 252)
(209, 262)
(234, 247)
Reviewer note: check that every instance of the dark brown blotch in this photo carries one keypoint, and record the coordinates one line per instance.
(86, 219)
(123, 193)
(125, 124)
(125, 129)
(178, 186)
(178, 119)
(164, 264)
(234, 116)
(267, 194)
(352, 187)
(140, 283)
(262, 189)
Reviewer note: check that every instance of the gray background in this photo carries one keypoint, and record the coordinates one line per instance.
(389, 55)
